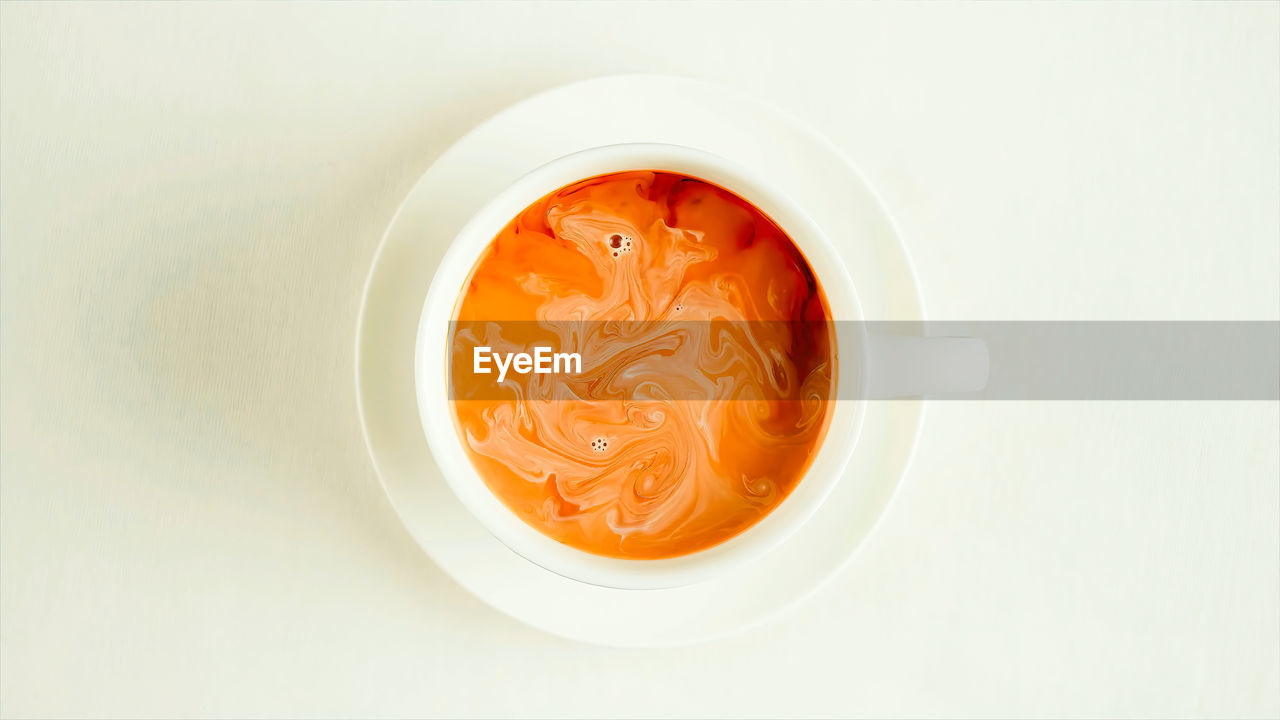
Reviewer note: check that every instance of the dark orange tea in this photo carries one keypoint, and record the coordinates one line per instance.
(666, 440)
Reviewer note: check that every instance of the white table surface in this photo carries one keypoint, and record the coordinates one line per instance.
(192, 196)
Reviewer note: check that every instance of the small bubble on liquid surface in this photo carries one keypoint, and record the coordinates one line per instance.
(620, 244)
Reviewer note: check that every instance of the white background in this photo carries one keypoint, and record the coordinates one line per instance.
(192, 196)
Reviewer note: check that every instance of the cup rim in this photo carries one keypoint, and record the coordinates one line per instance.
(431, 370)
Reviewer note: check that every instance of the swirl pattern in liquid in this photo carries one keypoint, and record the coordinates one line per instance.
(708, 365)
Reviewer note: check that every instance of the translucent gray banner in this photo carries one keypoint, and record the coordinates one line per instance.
(670, 360)
(1129, 360)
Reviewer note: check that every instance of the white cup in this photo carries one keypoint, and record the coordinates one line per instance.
(907, 366)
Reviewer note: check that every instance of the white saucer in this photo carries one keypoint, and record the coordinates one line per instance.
(557, 122)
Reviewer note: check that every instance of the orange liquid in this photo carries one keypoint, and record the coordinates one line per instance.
(707, 365)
